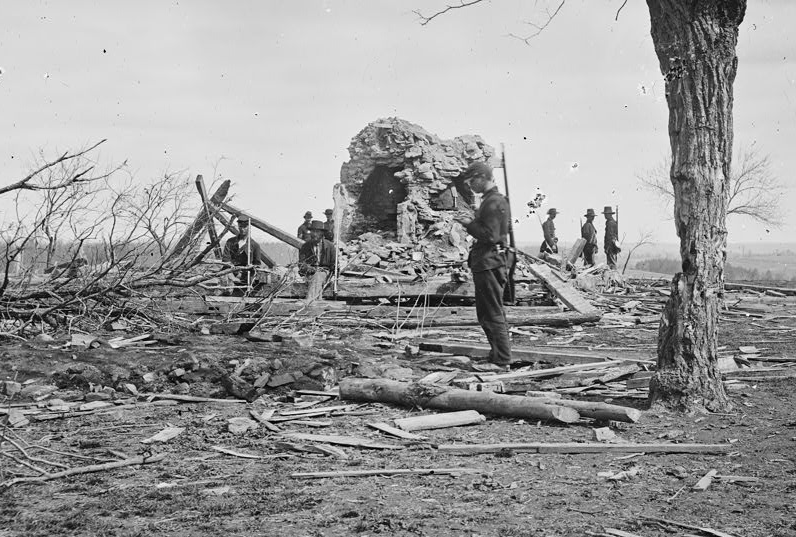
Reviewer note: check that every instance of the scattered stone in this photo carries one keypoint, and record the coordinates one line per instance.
(603, 434)
(262, 380)
(10, 388)
(43, 338)
(149, 377)
(183, 388)
(16, 419)
(241, 425)
(283, 379)
(237, 387)
(178, 372)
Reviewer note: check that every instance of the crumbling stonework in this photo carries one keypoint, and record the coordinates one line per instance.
(403, 183)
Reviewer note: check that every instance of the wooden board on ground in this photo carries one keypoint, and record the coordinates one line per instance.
(566, 293)
(519, 354)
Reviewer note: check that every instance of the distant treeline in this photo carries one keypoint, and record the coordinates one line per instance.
(667, 265)
(38, 257)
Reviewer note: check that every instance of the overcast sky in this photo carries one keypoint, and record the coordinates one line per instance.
(270, 93)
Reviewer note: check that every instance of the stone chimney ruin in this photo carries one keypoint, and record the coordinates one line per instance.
(404, 184)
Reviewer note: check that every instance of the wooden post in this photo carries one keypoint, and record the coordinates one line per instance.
(211, 228)
(199, 222)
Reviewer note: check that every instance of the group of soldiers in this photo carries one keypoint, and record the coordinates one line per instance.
(317, 254)
(589, 233)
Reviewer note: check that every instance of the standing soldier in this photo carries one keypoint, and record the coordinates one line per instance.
(328, 226)
(550, 244)
(487, 260)
(589, 233)
(611, 243)
(304, 230)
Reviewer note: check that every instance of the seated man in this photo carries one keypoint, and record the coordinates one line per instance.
(318, 253)
(243, 251)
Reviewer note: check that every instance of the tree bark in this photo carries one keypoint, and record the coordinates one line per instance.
(695, 42)
(426, 396)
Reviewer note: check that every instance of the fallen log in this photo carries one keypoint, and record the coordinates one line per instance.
(595, 410)
(428, 396)
(440, 421)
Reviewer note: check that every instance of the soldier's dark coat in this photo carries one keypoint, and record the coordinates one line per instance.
(487, 261)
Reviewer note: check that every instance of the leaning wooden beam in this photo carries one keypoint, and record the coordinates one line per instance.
(567, 294)
(201, 220)
(518, 354)
(264, 226)
(86, 470)
(584, 447)
(426, 396)
(211, 228)
(385, 471)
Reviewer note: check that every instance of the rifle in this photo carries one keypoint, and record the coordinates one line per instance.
(509, 296)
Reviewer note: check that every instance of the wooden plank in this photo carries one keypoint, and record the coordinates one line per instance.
(570, 296)
(262, 225)
(518, 354)
(388, 429)
(385, 471)
(341, 440)
(585, 447)
(552, 371)
(576, 250)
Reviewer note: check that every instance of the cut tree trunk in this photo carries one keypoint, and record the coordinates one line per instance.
(425, 396)
(695, 42)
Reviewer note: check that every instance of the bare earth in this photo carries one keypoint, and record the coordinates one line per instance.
(196, 490)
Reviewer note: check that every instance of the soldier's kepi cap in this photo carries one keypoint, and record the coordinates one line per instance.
(308, 215)
(477, 168)
(328, 211)
(552, 210)
(590, 212)
(244, 221)
(317, 225)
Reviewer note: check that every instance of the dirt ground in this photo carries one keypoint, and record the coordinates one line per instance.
(197, 490)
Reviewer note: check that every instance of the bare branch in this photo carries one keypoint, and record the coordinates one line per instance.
(620, 9)
(540, 27)
(754, 191)
(25, 184)
(424, 20)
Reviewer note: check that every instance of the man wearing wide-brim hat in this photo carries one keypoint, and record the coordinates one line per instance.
(318, 253)
(303, 232)
(329, 224)
(589, 233)
(550, 243)
(611, 243)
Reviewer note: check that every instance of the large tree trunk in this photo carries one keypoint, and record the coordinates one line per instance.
(695, 42)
